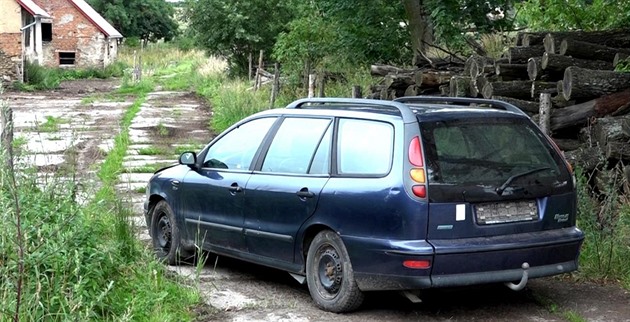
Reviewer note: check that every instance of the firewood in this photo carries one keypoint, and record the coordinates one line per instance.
(511, 71)
(460, 86)
(580, 113)
(515, 89)
(528, 107)
(586, 50)
(539, 87)
(581, 83)
(520, 55)
(383, 70)
(558, 63)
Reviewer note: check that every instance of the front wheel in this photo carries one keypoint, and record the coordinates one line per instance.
(166, 235)
(329, 274)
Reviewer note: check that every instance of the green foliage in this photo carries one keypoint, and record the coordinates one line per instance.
(82, 262)
(41, 78)
(145, 19)
(452, 19)
(604, 216)
(328, 33)
(623, 66)
(233, 101)
(573, 14)
(234, 29)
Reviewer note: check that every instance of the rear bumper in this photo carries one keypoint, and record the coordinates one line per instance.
(377, 263)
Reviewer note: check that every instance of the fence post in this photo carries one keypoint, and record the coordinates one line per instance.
(276, 84)
(311, 85)
(322, 84)
(356, 91)
(249, 70)
(544, 121)
(258, 71)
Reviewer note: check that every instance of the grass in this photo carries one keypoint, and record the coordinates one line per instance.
(149, 168)
(153, 150)
(52, 124)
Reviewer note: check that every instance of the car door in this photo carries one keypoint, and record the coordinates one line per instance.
(213, 195)
(283, 193)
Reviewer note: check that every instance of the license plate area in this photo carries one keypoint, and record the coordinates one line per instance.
(506, 212)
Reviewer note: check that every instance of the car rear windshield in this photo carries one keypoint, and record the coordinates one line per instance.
(488, 152)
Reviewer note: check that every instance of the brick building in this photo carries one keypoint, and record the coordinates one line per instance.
(54, 33)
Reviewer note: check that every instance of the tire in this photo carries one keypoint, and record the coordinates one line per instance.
(330, 276)
(165, 235)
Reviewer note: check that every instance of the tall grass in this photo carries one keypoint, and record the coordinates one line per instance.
(37, 77)
(604, 216)
(81, 261)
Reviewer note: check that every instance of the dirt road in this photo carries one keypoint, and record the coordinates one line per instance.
(82, 121)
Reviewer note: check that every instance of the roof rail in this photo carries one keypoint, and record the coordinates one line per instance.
(467, 100)
(406, 112)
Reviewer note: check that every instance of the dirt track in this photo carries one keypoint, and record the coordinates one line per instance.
(238, 291)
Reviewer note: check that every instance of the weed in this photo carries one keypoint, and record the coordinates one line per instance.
(153, 150)
(149, 168)
(162, 130)
(51, 125)
(142, 189)
(188, 147)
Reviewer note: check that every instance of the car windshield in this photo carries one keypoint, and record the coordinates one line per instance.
(495, 152)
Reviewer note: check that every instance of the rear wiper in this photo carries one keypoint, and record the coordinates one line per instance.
(509, 180)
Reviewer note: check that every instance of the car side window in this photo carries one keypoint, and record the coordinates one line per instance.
(236, 149)
(364, 147)
(294, 145)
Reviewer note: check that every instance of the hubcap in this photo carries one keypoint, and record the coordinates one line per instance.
(330, 271)
(164, 232)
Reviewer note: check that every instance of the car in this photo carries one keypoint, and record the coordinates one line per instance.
(358, 195)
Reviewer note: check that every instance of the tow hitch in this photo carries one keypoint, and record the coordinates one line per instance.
(521, 285)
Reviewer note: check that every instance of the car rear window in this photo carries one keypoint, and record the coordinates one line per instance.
(489, 151)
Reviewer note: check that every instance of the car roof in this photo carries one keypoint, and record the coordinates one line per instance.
(410, 109)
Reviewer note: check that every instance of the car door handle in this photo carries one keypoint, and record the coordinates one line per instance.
(304, 193)
(234, 188)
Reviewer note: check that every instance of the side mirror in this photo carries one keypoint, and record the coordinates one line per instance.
(188, 158)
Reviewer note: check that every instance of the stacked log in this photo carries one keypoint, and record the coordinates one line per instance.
(589, 99)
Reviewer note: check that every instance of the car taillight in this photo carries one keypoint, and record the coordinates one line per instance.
(417, 173)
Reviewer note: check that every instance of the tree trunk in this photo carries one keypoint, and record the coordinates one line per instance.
(419, 27)
(383, 70)
(587, 159)
(460, 86)
(581, 83)
(618, 150)
(511, 71)
(428, 79)
(551, 44)
(528, 107)
(399, 81)
(515, 89)
(558, 63)
(580, 113)
(619, 57)
(520, 55)
(534, 68)
(610, 129)
(612, 38)
(532, 39)
(586, 50)
(539, 87)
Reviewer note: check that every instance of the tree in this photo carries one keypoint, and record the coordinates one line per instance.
(420, 28)
(146, 19)
(234, 29)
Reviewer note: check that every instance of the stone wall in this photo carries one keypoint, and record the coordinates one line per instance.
(10, 55)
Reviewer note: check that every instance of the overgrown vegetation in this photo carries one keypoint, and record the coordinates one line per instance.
(604, 215)
(573, 14)
(66, 259)
(37, 77)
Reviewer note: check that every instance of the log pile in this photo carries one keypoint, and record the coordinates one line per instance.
(589, 98)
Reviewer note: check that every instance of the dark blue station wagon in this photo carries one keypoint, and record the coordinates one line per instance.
(355, 195)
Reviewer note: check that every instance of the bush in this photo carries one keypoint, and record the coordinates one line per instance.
(41, 77)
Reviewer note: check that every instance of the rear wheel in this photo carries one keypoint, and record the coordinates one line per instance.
(166, 235)
(330, 276)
